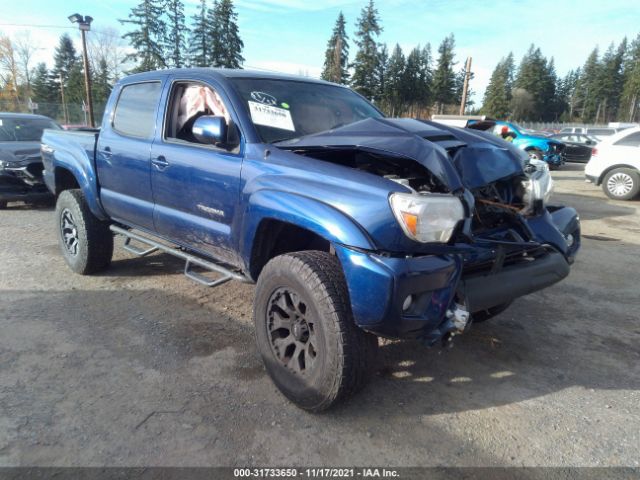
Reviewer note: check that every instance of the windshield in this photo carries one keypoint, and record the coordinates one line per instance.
(16, 129)
(286, 109)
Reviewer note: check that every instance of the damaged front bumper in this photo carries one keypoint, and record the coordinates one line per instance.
(422, 296)
(22, 181)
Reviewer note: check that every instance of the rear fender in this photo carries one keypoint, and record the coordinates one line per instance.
(84, 176)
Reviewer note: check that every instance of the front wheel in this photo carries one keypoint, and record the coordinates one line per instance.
(621, 184)
(86, 241)
(305, 333)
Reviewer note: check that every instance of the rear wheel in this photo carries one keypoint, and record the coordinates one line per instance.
(621, 184)
(86, 241)
(310, 345)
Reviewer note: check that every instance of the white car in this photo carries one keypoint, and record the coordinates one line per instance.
(615, 164)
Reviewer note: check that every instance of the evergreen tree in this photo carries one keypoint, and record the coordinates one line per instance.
(175, 41)
(630, 101)
(394, 94)
(497, 96)
(65, 58)
(535, 78)
(225, 36)
(365, 64)
(414, 94)
(426, 74)
(460, 78)
(199, 51)
(44, 91)
(101, 85)
(148, 37)
(444, 77)
(610, 81)
(336, 57)
(588, 88)
(381, 72)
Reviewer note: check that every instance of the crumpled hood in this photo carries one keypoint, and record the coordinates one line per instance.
(479, 159)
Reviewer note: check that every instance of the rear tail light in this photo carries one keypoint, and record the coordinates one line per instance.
(594, 152)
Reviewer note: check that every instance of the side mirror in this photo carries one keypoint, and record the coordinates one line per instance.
(210, 130)
(590, 142)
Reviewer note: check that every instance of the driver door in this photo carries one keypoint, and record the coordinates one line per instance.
(196, 187)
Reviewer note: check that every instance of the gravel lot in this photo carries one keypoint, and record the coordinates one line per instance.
(141, 367)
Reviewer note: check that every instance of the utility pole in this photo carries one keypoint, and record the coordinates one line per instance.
(84, 23)
(465, 87)
(65, 112)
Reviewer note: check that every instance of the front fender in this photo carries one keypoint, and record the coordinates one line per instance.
(304, 212)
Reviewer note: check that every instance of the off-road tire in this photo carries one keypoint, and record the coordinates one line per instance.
(484, 315)
(94, 243)
(345, 354)
(629, 177)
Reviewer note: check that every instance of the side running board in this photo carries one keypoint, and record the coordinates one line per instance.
(190, 260)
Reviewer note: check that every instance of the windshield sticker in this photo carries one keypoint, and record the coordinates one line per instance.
(270, 116)
(264, 98)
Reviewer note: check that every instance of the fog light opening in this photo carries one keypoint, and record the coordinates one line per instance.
(569, 238)
(406, 305)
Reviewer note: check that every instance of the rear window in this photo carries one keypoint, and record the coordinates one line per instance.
(632, 140)
(135, 113)
(24, 129)
(603, 132)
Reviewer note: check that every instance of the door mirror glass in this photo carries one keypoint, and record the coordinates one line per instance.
(210, 130)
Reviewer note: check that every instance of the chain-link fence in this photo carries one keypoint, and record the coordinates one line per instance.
(65, 114)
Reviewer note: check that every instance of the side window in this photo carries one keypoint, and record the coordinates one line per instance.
(188, 102)
(632, 140)
(135, 113)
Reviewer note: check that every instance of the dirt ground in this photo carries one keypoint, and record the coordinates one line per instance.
(141, 367)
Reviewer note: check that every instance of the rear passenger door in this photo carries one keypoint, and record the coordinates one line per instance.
(123, 161)
(196, 187)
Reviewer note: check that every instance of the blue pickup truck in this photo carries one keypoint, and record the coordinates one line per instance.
(352, 225)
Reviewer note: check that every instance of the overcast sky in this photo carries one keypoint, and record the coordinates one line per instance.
(291, 35)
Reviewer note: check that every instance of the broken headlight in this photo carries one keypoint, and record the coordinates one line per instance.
(427, 217)
(539, 185)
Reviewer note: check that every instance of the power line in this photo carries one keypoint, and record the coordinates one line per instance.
(31, 25)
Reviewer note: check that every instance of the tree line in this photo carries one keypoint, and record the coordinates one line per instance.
(158, 37)
(419, 82)
(606, 88)
(415, 84)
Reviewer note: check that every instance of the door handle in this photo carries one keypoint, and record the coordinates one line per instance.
(107, 153)
(160, 162)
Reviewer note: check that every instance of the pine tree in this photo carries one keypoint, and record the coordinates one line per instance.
(588, 88)
(460, 78)
(366, 61)
(199, 51)
(630, 99)
(497, 96)
(225, 36)
(175, 41)
(381, 72)
(394, 94)
(65, 58)
(336, 57)
(44, 92)
(535, 78)
(426, 74)
(148, 37)
(444, 76)
(101, 85)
